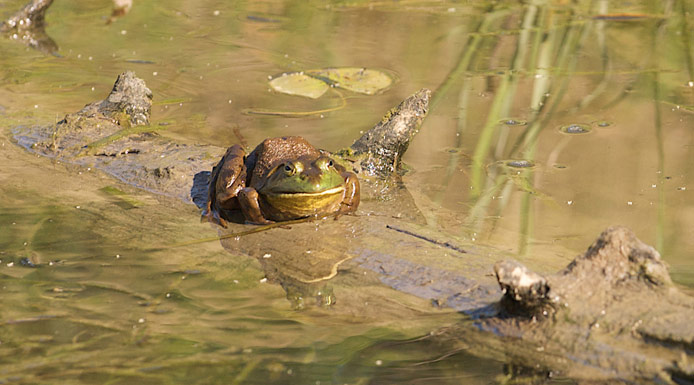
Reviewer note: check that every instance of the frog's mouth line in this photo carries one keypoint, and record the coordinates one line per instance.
(331, 191)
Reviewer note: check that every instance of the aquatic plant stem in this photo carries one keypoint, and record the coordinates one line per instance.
(471, 48)
(500, 105)
(660, 147)
(685, 32)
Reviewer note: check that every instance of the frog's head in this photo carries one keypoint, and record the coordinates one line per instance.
(305, 175)
(304, 186)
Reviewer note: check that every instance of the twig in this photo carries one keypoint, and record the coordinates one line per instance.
(430, 240)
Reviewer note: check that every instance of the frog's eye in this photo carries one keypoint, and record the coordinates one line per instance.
(330, 163)
(288, 169)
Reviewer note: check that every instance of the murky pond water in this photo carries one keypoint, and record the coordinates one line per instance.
(549, 122)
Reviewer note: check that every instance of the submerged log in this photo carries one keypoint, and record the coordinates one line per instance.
(114, 135)
(28, 26)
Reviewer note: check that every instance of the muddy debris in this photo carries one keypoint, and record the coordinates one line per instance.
(613, 314)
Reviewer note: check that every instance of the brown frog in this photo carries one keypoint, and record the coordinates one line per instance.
(282, 179)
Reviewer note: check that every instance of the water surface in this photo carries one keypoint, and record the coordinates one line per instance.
(549, 122)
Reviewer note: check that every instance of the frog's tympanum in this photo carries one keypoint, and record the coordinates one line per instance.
(282, 179)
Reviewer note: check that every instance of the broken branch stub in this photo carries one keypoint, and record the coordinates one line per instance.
(525, 292)
(131, 96)
(129, 104)
(28, 26)
(384, 144)
(31, 16)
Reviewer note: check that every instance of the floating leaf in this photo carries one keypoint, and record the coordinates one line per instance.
(297, 83)
(361, 80)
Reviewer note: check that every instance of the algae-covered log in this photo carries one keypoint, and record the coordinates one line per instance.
(114, 135)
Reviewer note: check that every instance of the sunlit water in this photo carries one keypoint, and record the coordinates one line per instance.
(599, 108)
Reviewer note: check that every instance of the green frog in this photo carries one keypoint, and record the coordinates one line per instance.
(282, 179)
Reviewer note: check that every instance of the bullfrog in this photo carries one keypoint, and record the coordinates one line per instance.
(281, 179)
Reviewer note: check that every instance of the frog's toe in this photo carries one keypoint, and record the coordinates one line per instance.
(213, 216)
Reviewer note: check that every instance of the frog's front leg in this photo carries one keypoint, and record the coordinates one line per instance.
(350, 202)
(250, 207)
(228, 177)
(231, 178)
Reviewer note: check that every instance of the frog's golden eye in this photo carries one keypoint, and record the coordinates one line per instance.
(289, 169)
(330, 163)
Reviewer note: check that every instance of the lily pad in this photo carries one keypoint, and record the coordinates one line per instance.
(355, 79)
(298, 83)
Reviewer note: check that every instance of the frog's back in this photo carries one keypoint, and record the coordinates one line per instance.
(276, 150)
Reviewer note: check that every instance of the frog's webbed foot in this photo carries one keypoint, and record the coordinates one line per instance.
(248, 200)
(213, 216)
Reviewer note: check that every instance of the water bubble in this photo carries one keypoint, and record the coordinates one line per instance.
(520, 163)
(513, 122)
(575, 128)
(603, 123)
(559, 166)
